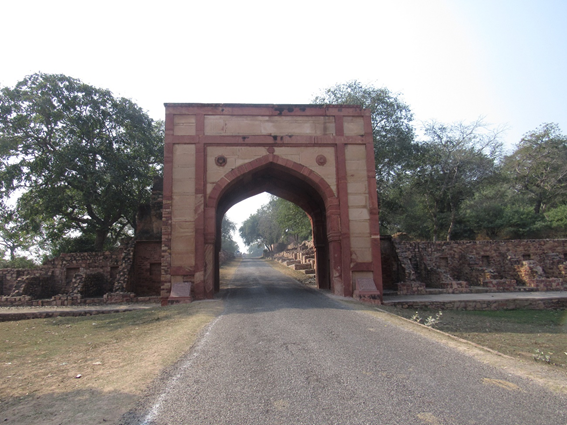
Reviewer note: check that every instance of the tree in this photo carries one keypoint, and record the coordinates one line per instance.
(82, 159)
(392, 127)
(393, 135)
(538, 167)
(452, 164)
(227, 242)
(291, 219)
(261, 228)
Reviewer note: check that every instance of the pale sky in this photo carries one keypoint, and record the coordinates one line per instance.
(505, 60)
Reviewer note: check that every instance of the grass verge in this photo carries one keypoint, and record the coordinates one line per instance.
(90, 370)
(539, 335)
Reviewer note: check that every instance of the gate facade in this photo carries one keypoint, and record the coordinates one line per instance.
(318, 157)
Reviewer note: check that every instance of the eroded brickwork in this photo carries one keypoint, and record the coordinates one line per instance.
(462, 266)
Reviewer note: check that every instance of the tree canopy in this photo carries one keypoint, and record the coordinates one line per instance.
(453, 162)
(81, 159)
(392, 127)
(228, 244)
(277, 221)
(538, 167)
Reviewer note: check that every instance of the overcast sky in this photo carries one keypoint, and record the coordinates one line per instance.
(505, 60)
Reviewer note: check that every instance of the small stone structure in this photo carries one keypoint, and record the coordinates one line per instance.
(76, 278)
(130, 273)
(474, 266)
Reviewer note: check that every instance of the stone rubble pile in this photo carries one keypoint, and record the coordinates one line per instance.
(299, 257)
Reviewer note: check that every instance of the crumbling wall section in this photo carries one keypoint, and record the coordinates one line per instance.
(83, 278)
(456, 266)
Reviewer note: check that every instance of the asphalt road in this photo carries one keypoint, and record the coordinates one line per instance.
(285, 354)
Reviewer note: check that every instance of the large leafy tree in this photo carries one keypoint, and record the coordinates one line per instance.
(538, 167)
(16, 237)
(262, 228)
(392, 127)
(393, 134)
(81, 159)
(228, 227)
(454, 162)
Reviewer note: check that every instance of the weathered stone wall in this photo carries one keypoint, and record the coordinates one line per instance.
(89, 277)
(8, 278)
(299, 257)
(66, 266)
(501, 265)
(147, 269)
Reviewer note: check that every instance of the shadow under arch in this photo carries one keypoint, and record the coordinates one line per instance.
(288, 180)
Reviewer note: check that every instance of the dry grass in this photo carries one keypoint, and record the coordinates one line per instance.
(227, 272)
(115, 355)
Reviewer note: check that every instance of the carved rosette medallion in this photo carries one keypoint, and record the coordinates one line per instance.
(321, 160)
(271, 150)
(221, 160)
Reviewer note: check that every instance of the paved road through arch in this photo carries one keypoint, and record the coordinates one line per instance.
(285, 354)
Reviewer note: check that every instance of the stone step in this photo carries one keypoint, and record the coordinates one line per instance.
(309, 271)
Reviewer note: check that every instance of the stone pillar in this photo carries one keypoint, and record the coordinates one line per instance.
(209, 270)
(322, 266)
(336, 261)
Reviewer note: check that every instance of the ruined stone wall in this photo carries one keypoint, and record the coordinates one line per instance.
(67, 266)
(8, 278)
(79, 278)
(147, 269)
(540, 264)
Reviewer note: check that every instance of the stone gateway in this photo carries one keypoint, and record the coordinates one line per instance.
(318, 157)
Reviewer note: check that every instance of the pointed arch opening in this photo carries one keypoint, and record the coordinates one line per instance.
(284, 179)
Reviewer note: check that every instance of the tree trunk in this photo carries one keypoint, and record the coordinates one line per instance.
(537, 207)
(100, 239)
(435, 228)
(452, 224)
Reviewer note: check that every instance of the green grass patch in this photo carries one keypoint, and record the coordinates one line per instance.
(550, 318)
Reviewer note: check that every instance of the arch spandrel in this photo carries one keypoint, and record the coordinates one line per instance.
(311, 155)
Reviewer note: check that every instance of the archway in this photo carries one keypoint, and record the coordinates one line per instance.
(274, 175)
(319, 157)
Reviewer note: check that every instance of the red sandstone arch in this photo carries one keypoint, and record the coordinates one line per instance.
(215, 156)
(285, 179)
